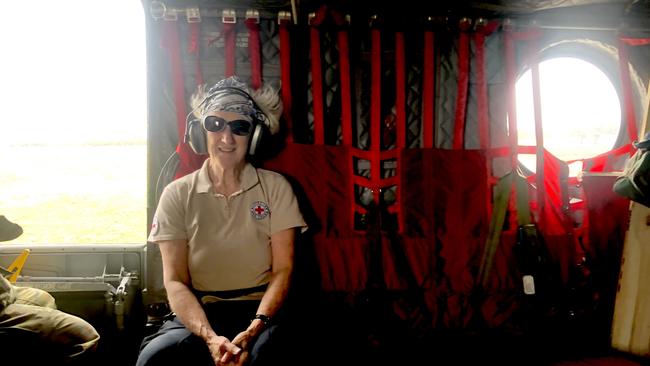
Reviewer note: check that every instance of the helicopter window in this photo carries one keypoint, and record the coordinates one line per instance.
(581, 111)
(73, 121)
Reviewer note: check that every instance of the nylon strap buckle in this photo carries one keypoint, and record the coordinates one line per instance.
(253, 15)
(193, 15)
(284, 17)
(229, 16)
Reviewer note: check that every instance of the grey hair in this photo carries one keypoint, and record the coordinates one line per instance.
(267, 98)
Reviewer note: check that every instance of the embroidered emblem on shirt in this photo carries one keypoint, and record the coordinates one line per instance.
(259, 210)
(155, 226)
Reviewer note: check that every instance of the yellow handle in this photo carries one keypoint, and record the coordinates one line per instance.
(17, 265)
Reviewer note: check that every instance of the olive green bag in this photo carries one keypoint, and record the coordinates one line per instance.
(634, 183)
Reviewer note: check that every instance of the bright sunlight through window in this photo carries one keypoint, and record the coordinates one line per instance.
(581, 112)
(73, 121)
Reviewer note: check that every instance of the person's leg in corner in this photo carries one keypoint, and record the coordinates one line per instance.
(174, 345)
(33, 296)
(68, 335)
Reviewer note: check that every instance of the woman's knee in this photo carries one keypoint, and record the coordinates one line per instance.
(268, 348)
(170, 346)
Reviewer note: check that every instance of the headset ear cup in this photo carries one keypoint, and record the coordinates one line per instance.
(259, 138)
(197, 138)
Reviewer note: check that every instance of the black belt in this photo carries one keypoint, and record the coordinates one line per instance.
(230, 294)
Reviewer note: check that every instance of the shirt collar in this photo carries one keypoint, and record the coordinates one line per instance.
(249, 178)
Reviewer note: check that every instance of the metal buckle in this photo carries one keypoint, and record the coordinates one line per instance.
(254, 15)
(465, 24)
(193, 15)
(229, 16)
(284, 16)
(157, 9)
(171, 15)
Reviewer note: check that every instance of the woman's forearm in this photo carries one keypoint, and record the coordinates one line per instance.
(276, 293)
(189, 310)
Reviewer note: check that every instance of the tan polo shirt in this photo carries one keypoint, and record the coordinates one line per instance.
(229, 238)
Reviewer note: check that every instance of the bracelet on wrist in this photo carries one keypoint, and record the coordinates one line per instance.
(264, 318)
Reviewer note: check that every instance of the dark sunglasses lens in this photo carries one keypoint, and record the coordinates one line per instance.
(240, 127)
(214, 123)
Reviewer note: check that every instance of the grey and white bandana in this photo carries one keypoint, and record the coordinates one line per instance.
(232, 95)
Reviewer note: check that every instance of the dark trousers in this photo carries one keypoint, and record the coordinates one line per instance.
(174, 345)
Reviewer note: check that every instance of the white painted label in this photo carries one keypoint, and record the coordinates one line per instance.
(529, 285)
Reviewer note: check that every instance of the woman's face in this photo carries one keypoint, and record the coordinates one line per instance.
(229, 144)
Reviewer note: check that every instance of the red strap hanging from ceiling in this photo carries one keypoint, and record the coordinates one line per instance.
(462, 85)
(346, 93)
(187, 159)
(229, 31)
(428, 91)
(284, 19)
(317, 83)
(253, 25)
(511, 72)
(482, 30)
(400, 92)
(400, 118)
(375, 113)
(194, 48)
(346, 103)
(539, 134)
(481, 86)
(628, 97)
(509, 49)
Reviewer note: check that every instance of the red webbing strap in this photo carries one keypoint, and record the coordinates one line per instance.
(628, 98)
(375, 113)
(346, 108)
(229, 36)
(555, 186)
(400, 117)
(511, 70)
(194, 48)
(509, 48)
(635, 41)
(285, 77)
(317, 86)
(599, 163)
(482, 105)
(188, 161)
(539, 134)
(481, 85)
(400, 92)
(253, 25)
(428, 91)
(462, 89)
(346, 93)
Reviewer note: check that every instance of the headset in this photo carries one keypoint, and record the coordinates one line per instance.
(197, 139)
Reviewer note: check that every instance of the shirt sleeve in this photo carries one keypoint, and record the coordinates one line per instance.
(285, 213)
(169, 220)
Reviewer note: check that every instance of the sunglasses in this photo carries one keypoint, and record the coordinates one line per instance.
(240, 127)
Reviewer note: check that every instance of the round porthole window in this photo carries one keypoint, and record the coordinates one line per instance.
(581, 110)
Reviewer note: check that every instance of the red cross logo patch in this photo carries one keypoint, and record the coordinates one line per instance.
(259, 210)
(155, 226)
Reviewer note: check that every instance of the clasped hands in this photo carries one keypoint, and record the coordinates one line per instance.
(230, 353)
